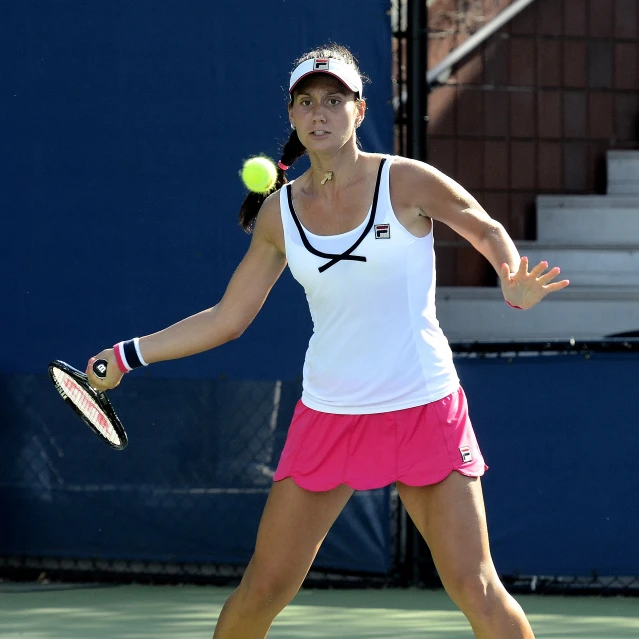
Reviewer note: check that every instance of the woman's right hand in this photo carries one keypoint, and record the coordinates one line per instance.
(113, 374)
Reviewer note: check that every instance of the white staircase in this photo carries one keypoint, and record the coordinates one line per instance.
(595, 241)
(623, 173)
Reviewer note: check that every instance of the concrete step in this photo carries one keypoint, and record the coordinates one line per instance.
(623, 172)
(470, 314)
(588, 219)
(588, 265)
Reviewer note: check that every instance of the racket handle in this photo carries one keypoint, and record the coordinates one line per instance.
(100, 368)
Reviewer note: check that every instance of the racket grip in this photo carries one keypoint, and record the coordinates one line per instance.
(100, 368)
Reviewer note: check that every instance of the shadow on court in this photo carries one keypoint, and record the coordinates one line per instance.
(189, 612)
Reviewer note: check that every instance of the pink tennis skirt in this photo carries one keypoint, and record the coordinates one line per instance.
(416, 446)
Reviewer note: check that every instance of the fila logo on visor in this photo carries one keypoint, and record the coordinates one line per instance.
(466, 455)
(320, 64)
(382, 231)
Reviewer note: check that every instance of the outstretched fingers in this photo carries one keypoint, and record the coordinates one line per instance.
(538, 270)
(548, 277)
(556, 286)
(525, 287)
(546, 280)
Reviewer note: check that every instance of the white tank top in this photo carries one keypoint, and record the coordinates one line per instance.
(376, 344)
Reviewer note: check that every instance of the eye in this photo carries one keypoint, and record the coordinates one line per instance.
(305, 102)
(333, 101)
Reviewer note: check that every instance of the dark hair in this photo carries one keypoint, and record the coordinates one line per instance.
(293, 149)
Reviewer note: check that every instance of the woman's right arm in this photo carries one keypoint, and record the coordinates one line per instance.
(245, 294)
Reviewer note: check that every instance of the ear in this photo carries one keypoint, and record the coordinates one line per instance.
(361, 110)
(290, 117)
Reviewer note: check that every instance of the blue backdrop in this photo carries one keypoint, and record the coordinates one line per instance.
(124, 127)
(190, 487)
(558, 432)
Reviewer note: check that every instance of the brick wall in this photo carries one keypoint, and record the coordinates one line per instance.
(532, 111)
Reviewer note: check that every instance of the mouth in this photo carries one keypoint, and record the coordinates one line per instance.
(319, 133)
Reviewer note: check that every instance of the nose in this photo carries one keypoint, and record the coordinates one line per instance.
(318, 114)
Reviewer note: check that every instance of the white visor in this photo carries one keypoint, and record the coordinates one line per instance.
(343, 72)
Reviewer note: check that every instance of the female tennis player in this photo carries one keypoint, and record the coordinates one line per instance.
(381, 399)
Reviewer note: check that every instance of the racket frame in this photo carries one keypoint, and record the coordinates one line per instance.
(99, 397)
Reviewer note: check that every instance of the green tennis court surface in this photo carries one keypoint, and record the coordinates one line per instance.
(29, 611)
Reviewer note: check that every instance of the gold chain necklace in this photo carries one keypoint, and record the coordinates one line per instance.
(328, 175)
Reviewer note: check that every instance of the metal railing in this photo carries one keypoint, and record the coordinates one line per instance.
(441, 72)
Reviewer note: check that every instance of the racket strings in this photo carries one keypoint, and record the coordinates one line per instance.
(86, 404)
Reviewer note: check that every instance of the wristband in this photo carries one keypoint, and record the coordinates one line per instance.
(128, 355)
(513, 306)
(117, 351)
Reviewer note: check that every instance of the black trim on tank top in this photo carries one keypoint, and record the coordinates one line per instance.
(346, 255)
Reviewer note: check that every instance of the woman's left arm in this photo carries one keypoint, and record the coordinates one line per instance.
(435, 195)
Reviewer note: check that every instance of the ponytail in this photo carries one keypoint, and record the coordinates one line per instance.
(293, 150)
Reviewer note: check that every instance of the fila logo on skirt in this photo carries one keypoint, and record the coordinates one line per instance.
(382, 231)
(466, 455)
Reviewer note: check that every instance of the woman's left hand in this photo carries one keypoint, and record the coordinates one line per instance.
(524, 289)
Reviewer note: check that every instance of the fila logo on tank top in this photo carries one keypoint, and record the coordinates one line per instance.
(376, 343)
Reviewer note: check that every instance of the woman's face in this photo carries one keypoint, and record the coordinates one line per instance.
(325, 113)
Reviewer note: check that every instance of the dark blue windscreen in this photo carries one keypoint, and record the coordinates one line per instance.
(190, 486)
(560, 436)
(125, 125)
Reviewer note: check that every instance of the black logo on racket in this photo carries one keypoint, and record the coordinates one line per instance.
(100, 367)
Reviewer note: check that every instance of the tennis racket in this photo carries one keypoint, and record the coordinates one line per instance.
(91, 405)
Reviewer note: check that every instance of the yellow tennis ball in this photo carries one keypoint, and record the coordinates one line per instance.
(259, 174)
